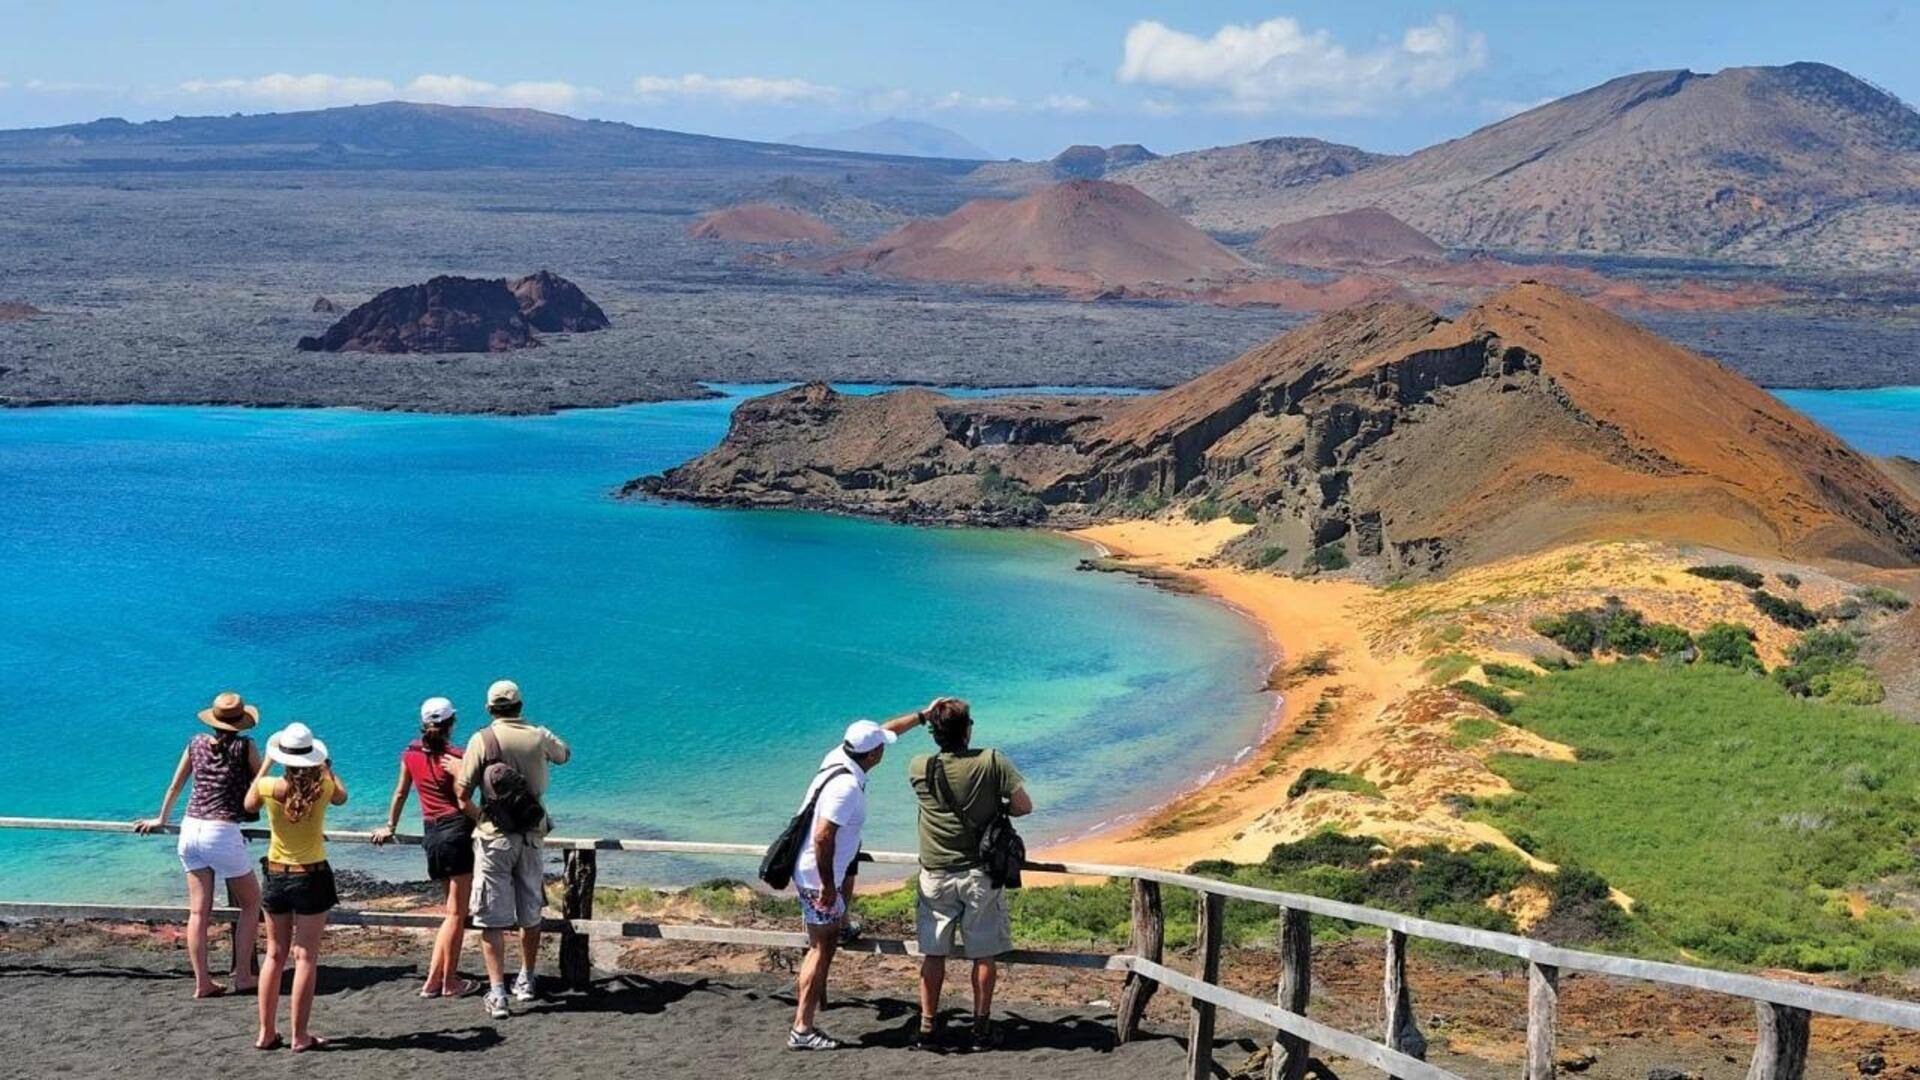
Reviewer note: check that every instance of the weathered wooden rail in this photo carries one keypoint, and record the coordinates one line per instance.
(1783, 1009)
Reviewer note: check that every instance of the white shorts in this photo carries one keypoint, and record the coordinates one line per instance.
(216, 846)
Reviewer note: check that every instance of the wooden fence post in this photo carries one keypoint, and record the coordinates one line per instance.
(1543, 1010)
(1287, 1060)
(1149, 938)
(1403, 1034)
(576, 957)
(1213, 908)
(1781, 1053)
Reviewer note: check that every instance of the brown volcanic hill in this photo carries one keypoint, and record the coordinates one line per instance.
(552, 303)
(1083, 234)
(446, 314)
(1365, 237)
(1237, 187)
(1802, 163)
(762, 223)
(1411, 442)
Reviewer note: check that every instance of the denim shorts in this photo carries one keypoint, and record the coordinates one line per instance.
(812, 914)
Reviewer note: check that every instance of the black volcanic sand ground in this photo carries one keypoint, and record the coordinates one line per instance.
(192, 287)
(87, 1000)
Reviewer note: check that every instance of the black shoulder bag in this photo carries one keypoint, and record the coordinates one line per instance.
(776, 869)
(1002, 853)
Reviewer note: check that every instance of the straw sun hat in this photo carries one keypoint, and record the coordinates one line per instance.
(295, 747)
(230, 712)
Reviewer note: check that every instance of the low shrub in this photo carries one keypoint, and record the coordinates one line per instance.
(1509, 674)
(1267, 556)
(1731, 645)
(1330, 557)
(1791, 581)
(1243, 514)
(1825, 664)
(1880, 596)
(1492, 697)
(1789, 613)
(1204, 509)
(1614, 628)
(1745, 575)
(1317, 779)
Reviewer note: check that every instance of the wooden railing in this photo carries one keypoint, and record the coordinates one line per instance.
(1783, 1009)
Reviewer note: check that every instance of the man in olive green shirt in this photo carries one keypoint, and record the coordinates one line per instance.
(960, 791)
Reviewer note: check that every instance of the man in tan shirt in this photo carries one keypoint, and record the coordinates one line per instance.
(510, 890)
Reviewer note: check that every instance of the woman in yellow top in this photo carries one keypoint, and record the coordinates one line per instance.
(298, 889)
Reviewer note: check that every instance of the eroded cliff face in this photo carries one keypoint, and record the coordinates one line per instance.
(1382, 436)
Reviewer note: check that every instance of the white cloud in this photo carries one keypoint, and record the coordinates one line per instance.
(45, 86)
(954, 99)
(461, 90)
(281, 88)
(738, 90)
(1065, 103)
(1278, 65)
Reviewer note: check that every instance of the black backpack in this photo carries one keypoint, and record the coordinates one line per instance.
(776, 867)
(511, 805)
(1002, 853)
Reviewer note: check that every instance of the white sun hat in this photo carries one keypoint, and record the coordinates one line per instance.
(295, 747)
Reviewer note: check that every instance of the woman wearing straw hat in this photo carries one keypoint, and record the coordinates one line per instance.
(299, 882)
(430, 764)
(221, 762)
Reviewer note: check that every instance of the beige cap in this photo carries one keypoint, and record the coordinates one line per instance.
(504, 692)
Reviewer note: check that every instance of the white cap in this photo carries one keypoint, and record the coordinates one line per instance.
(865, 736)
(436, 711)
(504, 692)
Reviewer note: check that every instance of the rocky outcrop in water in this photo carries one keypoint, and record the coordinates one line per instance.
(324, 306)
(552, 303)
(445, 314)
(1383, 435)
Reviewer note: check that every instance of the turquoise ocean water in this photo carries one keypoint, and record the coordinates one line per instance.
(339, 566)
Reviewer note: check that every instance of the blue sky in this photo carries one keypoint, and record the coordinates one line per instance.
(1021, 79)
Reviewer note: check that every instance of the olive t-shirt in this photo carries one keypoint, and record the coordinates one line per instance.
(978, 783)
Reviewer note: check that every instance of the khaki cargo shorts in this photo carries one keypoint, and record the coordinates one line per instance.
(510, 881)
(965, 905)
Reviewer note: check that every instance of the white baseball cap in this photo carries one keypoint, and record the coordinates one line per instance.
(865, 736)
(436, 711)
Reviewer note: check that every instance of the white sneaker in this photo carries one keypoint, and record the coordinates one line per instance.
(496, 1005)
(523, 987)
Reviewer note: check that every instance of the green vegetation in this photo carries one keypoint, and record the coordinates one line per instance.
(1791, 581)
(1243, 514)
(1444, 668)
(1267, 556)
(1747, 576)
(1204, 509)
(1491, 696)
(1471, 731)
(1614, 628)
(1883, 597)
(1329, 557)
(1003, 492)
(1825, 664)
(1508, 675)
(1789, 613)
(1143, 503)
(1729, 645)
(1736, 815)
(1316, 779)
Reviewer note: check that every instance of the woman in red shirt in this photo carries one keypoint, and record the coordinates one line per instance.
(429, 765)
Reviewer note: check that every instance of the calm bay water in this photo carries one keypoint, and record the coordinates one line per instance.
(340, 566)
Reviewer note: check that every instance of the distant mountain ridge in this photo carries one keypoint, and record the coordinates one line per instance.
(405, 135)
(1802, 163)
(896, 138)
